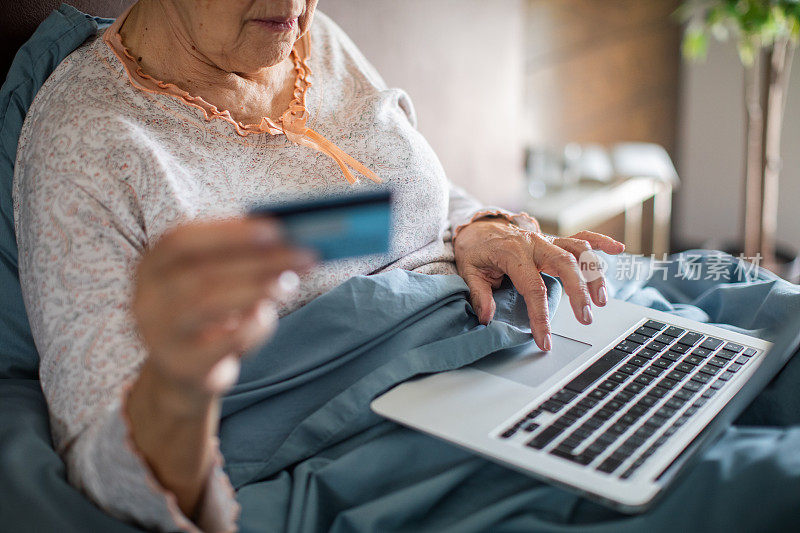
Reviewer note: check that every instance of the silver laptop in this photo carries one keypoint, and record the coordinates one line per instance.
(615, 411)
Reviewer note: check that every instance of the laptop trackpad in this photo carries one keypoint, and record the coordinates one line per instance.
(528, 365)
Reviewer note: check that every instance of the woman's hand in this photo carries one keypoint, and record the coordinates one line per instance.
(205, 293)
(488, 249)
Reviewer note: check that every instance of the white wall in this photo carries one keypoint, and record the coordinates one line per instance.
(711, 157)
(461, 61)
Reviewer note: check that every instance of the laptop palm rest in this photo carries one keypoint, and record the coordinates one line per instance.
(530, 366)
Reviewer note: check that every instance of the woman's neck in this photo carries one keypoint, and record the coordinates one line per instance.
(154, 34)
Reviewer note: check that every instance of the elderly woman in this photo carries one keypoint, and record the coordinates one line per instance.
(143, 281)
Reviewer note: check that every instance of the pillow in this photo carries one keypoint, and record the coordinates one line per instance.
(61, 33)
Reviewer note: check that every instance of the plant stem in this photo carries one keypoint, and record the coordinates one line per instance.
(753, 157)
(779, 70)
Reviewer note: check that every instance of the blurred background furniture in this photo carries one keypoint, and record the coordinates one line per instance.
(606, 206)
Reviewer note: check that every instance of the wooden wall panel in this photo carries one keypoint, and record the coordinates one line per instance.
(602, 71)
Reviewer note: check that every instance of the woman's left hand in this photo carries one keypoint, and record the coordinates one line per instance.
(490, 248)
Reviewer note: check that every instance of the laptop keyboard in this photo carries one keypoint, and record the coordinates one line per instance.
(617, 412)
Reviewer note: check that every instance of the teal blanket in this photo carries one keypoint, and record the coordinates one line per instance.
(306, 454)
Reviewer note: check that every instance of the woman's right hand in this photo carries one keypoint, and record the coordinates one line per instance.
(205, 293)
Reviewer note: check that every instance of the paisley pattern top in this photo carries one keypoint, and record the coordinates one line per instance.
(104, 168)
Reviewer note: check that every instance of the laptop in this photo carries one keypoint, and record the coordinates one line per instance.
(616, 411)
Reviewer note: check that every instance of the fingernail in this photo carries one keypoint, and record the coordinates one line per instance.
(288, 281)
(587, 314)
(548, 343)
(602, 296)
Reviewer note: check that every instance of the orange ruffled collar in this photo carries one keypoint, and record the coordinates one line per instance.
(292, 122)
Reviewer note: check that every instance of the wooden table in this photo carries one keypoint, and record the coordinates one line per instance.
(566, 211)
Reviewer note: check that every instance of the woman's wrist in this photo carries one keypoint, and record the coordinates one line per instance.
(168, 396)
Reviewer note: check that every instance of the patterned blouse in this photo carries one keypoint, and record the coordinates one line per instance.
(109, 159)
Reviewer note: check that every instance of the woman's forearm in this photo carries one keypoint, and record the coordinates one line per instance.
(175, 432)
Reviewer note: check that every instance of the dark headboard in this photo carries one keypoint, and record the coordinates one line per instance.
(18, 19)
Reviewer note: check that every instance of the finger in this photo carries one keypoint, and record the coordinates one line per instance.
(530, 285)
(480, 295)
(590, 267)
(598, 241)
(248, 329)
(556, 261)
(224, 303)
(191, 242)
(193, 279)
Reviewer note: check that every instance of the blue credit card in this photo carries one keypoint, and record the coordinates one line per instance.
(336, 227)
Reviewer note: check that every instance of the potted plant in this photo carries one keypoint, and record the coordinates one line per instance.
(766, 33)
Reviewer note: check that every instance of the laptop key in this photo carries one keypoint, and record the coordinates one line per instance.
(619, 377)
(690, 339)
(644, 379)
(648, 401)
(701, 378)
(530, 428)
(684, 394)
(627, 346)
(633, 388)
(623, 396)
(654, 371)
(674, 331)
(693, 386)
(647, 332)
(664, 339)
(742, 359)
(629, 368)
(657, 392)
(646, 353)
(685, 367)
(610, 464)
(609, 385)
(701, 352)
(717, 361)
(637, 361)
(679, 348)
(655, 325)
(725, 376)
(676, 375)
(545, 437)
(662, 362)
(551, 406)
(672, 356)
(732, 346)
(726, 354)
(734, 367)
(595, 371)
(637, 338)
(588, 402)
(700, 402)
(564, 396)
(750, 352)
(675, 403)
(712, 343)
(656, 346)
(694, 360)
(667, 383)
